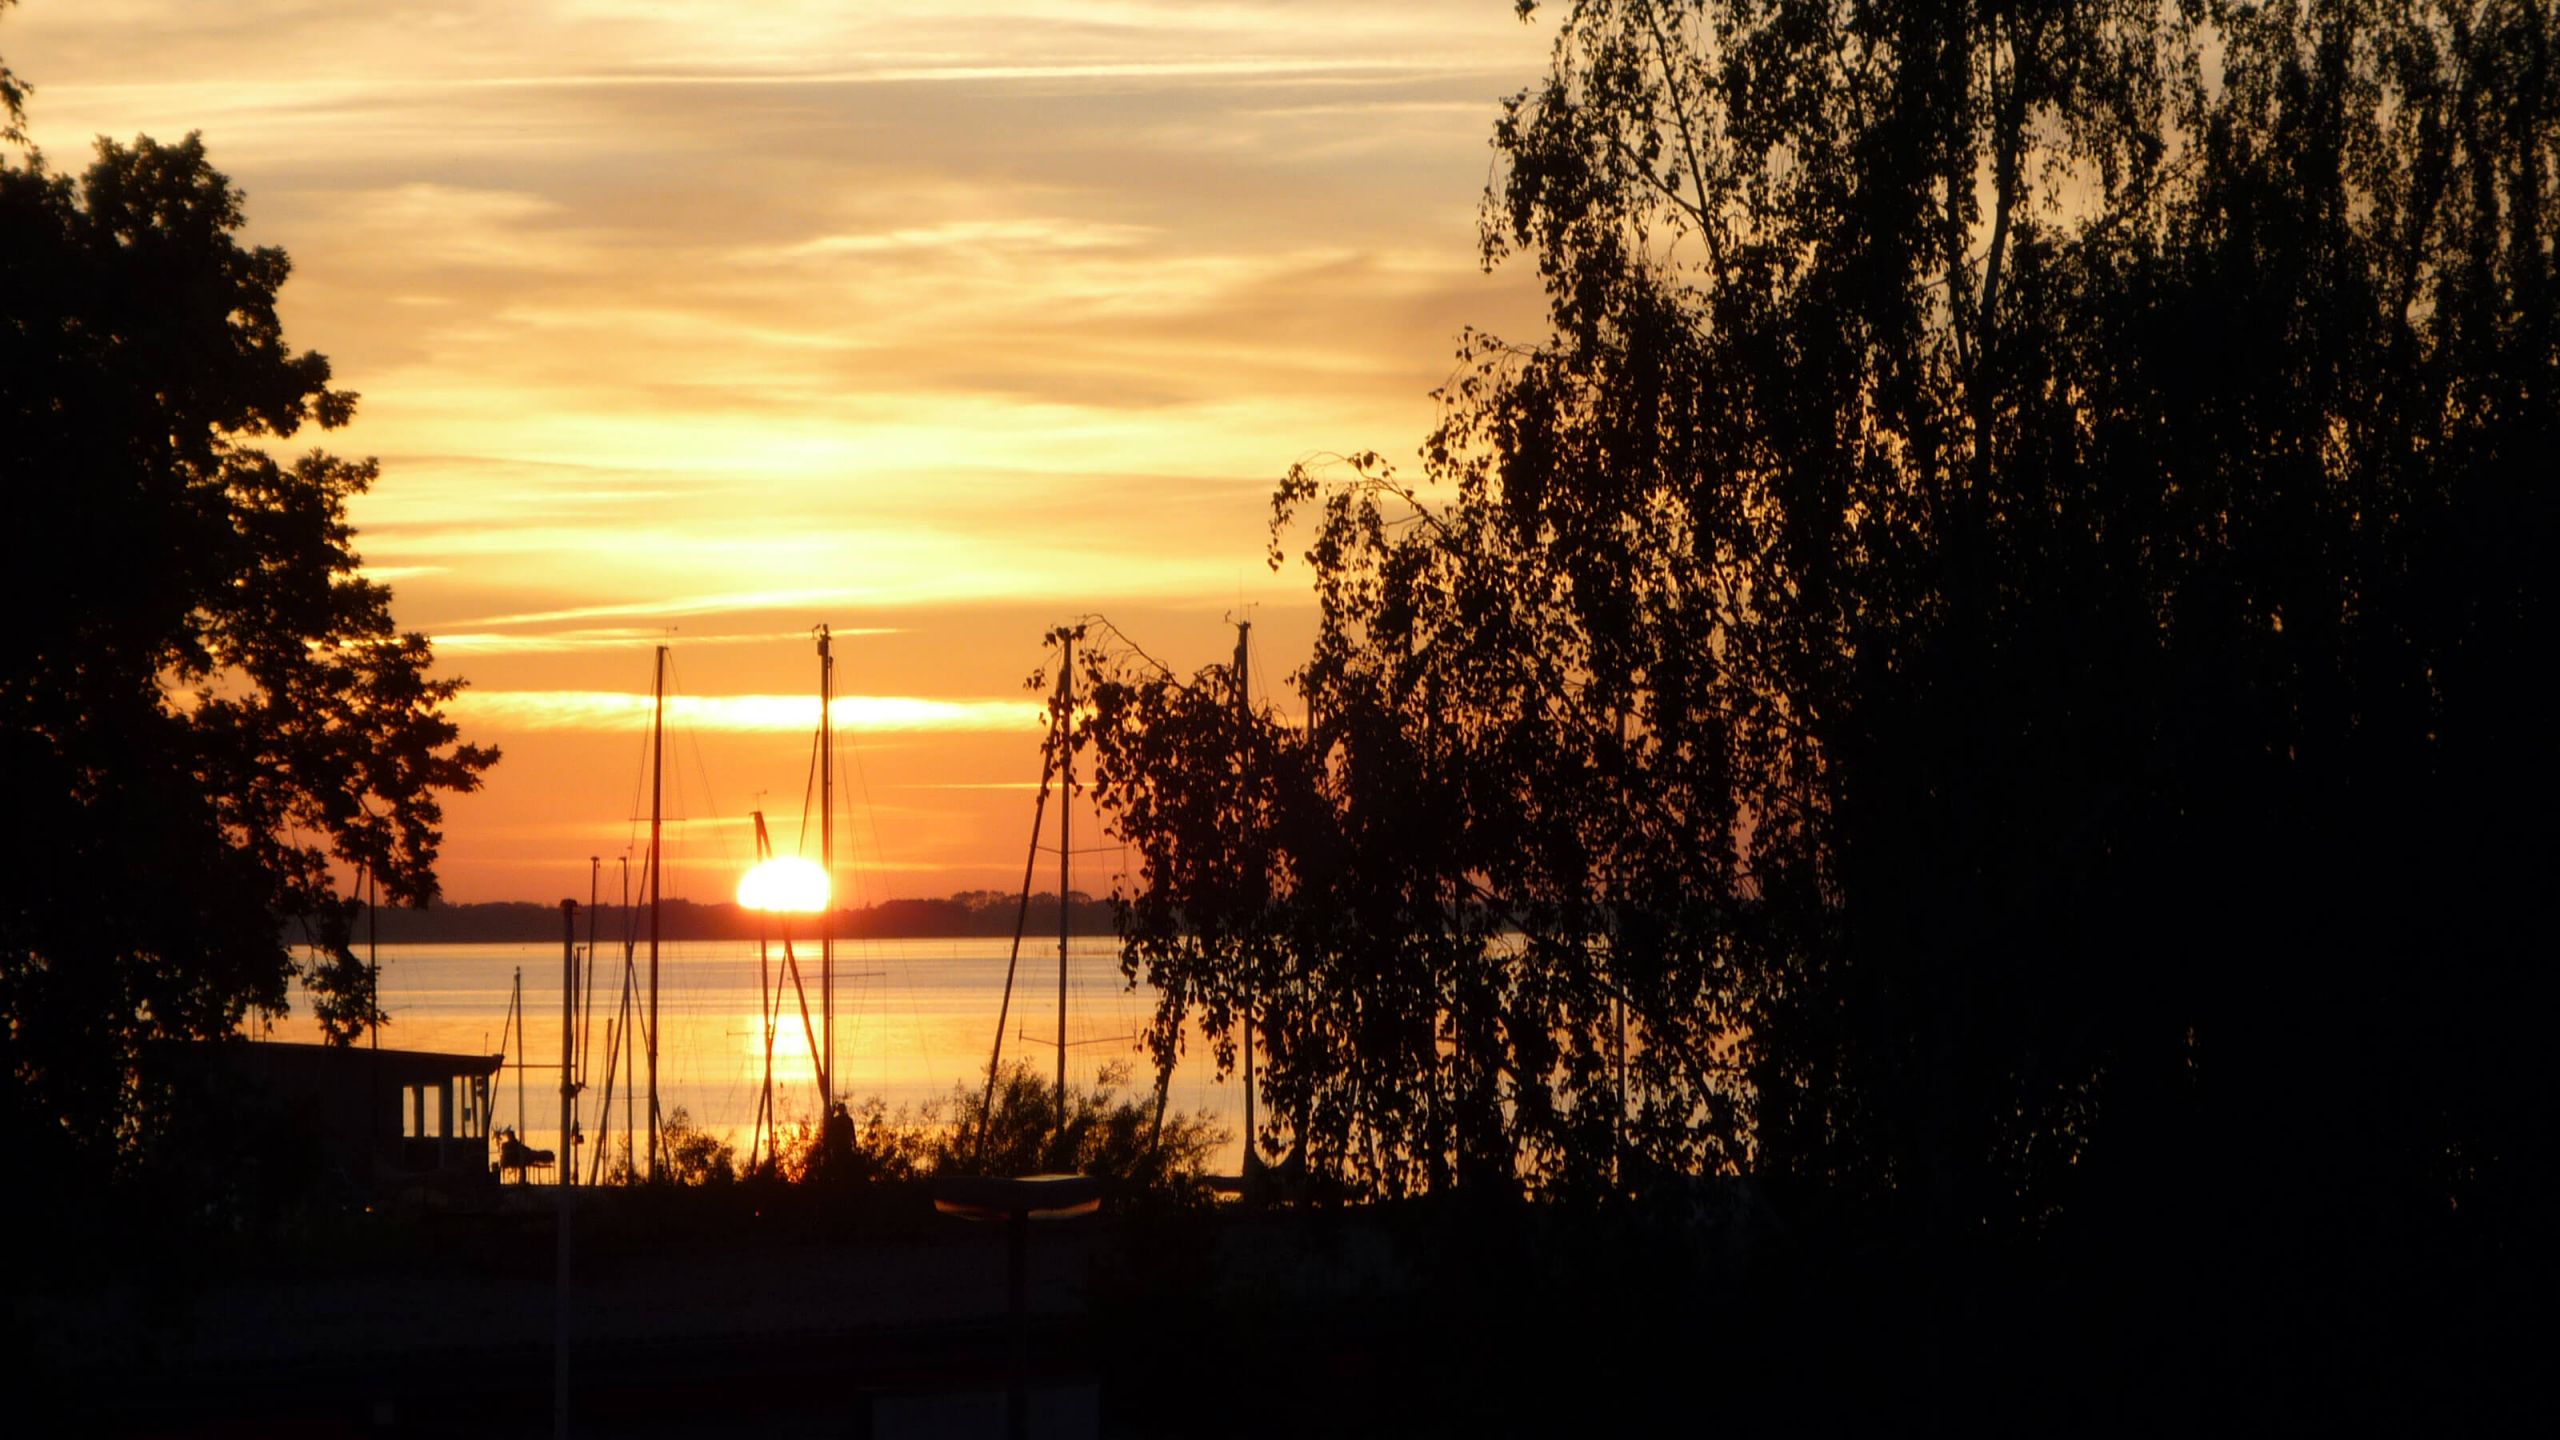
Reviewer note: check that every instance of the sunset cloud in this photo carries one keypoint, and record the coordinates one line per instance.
(724, 602)
(506, 710)
(624, 638)
(938, 322)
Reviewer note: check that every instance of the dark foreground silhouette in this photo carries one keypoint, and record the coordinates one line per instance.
(693, 1311)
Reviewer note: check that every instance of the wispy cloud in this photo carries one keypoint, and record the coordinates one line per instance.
(467, 225)
(727, 602)
(1025, 233)
(504, 710)
(616, 637)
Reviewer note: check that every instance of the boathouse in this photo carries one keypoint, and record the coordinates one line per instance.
(386, 1120)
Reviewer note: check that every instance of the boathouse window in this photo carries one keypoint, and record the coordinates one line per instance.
(426, 1111)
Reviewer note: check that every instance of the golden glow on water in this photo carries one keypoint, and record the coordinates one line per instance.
(914, 1020)
(792, 1063)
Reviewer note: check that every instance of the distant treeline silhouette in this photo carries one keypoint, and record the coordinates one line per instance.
(971, 913)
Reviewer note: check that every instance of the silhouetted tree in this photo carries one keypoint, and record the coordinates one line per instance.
(2000, 632)
(1320, 895)
(13, 98)
(202, 702)
(695, 1156)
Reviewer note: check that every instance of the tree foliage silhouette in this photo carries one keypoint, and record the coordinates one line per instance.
(1997, 635)
(203, 704)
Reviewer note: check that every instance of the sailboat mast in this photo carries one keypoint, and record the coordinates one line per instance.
(1013, 956)
(1066, 808)
(1252, 996)
(630, 1157)
(515, 1022)
(586, 1055)
(373, 960)
(768, 1006)
(827, 858)
(657, 800)
(567, 1174)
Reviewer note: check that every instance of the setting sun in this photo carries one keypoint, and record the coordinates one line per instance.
(786, 883)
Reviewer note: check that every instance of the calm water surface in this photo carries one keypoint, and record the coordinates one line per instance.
(914, 1018)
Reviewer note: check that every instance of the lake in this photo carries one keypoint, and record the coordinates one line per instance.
(914, 1018)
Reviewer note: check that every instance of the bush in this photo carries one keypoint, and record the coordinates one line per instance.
(1105, 1135)
(693, 1156)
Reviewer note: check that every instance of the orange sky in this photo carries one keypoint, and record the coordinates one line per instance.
(938, 323)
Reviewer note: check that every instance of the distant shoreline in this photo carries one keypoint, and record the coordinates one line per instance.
(970, 914)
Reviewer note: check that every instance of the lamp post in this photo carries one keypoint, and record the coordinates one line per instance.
(1016, 1201)
(568, 1172)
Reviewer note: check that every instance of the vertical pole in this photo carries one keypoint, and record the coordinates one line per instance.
(630, 1157)
(587, 994)
(568, 1173)
(827, 858)
(515, 1015)
(657, 797)
(1017, 1257)
(765, 1010)
(1252, 991)
(1066, 808)
(1013, 956)
(604, 1114)
(373, 1025)
(768, 1005)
